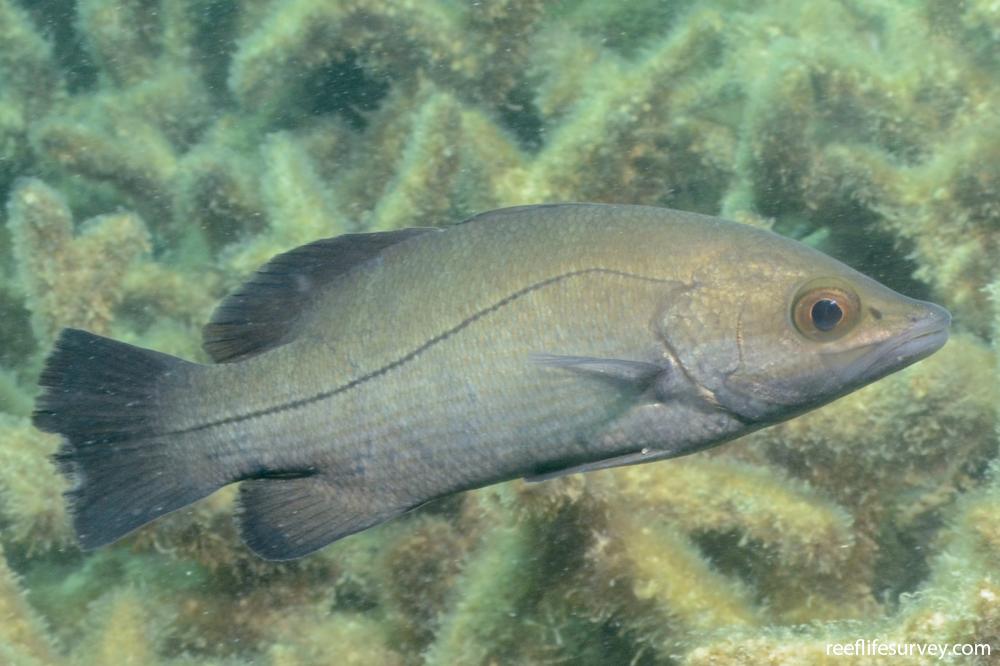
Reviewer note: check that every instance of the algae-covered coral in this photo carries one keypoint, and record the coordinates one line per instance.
(153, 152)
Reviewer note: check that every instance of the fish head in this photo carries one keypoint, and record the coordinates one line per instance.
(790, 329)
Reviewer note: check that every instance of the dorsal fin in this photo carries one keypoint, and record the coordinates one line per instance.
(500, 213)
(262, 313)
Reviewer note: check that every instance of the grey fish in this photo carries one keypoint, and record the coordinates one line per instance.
(361, 376)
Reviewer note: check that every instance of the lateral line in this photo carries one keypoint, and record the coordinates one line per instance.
(406, 358)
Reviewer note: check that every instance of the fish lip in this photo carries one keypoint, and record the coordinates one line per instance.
(918, 345)
(926, 336)
(923, 339)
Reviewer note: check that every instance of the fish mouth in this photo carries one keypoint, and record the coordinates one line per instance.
(918, 346)
(924, 338)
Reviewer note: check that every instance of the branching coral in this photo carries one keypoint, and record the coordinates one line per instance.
(70, 281)
(199, 139)
(121, 632)
(23, 638)
(13, 398)
(305, 638)
(963, 601)
(477, 51)
(31, 503)
(28, 82)
(479, 628)
(960, 604)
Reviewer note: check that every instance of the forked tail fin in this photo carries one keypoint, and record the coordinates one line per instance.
(107, 399)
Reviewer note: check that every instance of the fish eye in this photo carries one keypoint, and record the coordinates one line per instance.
(825, 312)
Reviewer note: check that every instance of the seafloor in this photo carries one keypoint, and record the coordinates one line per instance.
(154, 152)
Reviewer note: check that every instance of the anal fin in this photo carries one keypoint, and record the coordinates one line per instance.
(288, 518)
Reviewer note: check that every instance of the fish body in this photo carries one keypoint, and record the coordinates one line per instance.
(361, 376)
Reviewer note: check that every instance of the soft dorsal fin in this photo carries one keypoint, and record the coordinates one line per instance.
(262, 313)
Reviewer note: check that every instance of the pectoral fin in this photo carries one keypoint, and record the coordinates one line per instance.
(638, 375)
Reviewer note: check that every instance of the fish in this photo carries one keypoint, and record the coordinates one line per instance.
(358, 377)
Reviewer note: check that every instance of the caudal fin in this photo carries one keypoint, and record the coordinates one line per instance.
(106, 398)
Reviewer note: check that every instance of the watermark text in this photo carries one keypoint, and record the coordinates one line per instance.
(873, 647)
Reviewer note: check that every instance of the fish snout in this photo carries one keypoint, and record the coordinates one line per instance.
(927, 331)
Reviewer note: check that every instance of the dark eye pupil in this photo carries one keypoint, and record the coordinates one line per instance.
(826, 314)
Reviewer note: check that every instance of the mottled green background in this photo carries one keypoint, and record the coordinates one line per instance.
(154, 152)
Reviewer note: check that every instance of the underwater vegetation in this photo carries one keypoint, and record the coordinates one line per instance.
(154, 152)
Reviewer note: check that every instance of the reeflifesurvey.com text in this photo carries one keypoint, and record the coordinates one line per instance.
(873, 647)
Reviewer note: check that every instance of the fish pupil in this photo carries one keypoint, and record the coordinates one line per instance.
(826, 314)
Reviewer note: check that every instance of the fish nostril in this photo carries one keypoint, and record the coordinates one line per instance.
(938, 315)
(932, 316)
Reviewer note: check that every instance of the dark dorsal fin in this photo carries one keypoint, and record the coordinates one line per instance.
(262, 313)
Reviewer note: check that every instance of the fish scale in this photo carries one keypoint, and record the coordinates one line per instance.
(361, 376)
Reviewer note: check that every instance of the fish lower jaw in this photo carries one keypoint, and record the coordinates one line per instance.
(918, 347)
